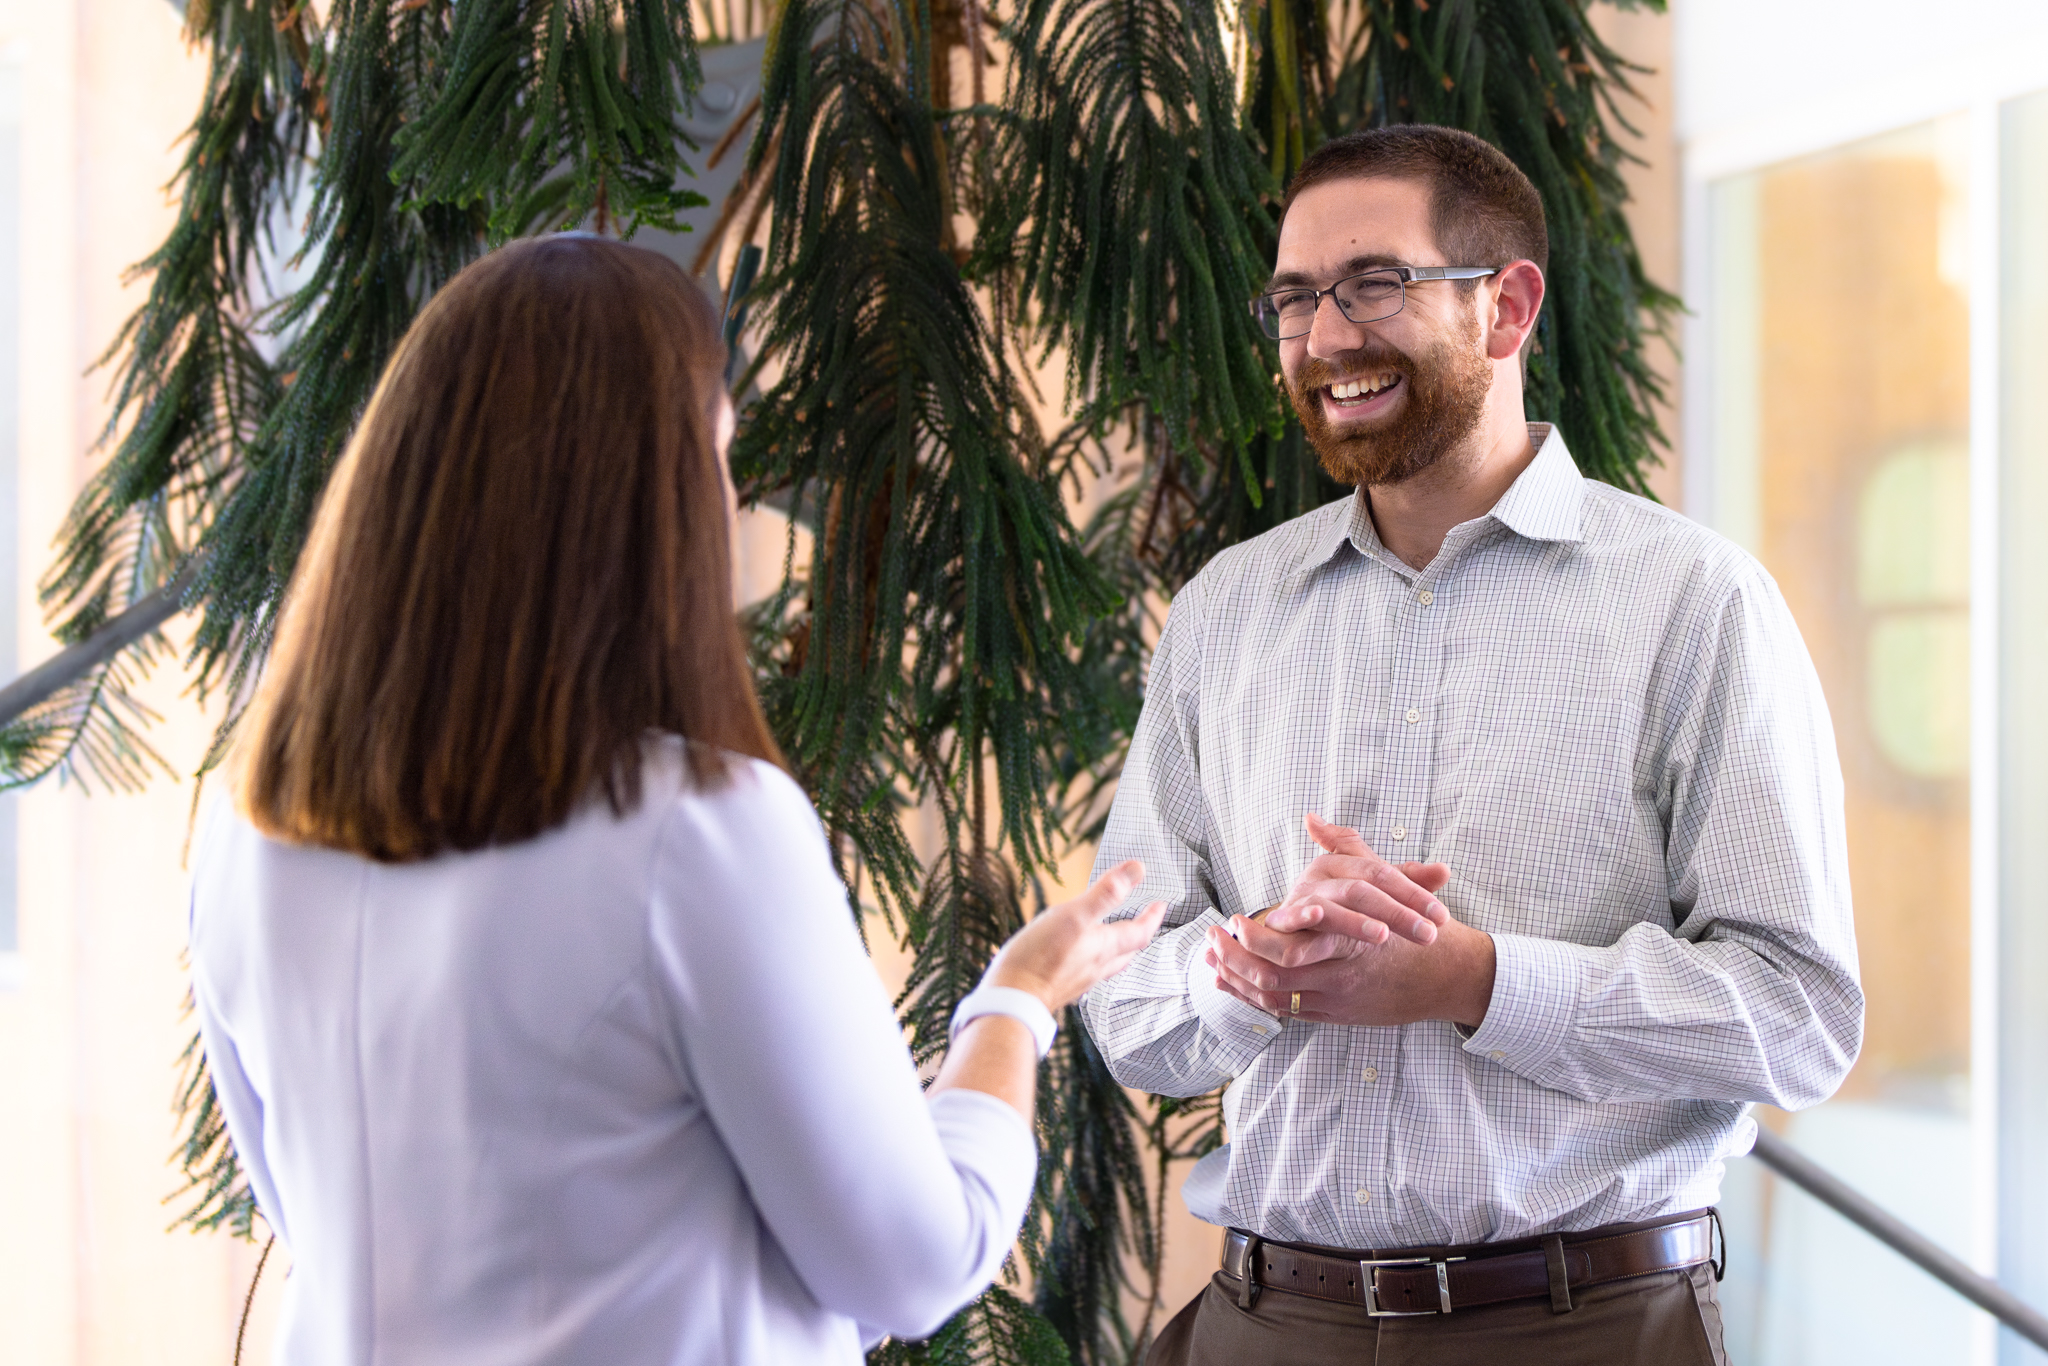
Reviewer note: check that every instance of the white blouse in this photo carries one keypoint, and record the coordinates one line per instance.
(629, 1092)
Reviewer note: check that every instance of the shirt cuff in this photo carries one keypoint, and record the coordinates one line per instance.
(1537, 987)
(1239, 1032)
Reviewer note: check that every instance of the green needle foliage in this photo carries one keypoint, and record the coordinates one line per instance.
(996, 1330)
(947, 591)
(952, 640)
(1139, 213)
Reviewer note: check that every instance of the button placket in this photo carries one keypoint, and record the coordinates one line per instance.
(1397, 828)
(1410, 758)
(1392, 781)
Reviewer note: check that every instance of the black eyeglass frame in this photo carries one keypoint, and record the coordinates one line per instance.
(1404, 276)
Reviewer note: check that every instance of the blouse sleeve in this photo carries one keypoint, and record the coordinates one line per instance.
(239, 1103)
(894, 1211)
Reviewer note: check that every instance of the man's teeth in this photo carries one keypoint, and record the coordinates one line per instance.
(1369, 384)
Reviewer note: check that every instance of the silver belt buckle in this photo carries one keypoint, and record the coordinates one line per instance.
(1370, 1271)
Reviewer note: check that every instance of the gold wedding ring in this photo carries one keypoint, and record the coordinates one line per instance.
(1294, 1006)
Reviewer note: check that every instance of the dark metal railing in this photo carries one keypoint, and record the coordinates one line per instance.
(76, 661)
(1845, 1200)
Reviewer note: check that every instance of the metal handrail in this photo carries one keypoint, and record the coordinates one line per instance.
(76, 661)
(1845, 1200)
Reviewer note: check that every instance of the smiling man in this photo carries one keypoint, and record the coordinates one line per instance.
(1489, 1042)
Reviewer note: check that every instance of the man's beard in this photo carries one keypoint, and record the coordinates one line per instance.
(1447, 389)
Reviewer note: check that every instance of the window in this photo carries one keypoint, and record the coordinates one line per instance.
(1841, 443)
(2023, 711)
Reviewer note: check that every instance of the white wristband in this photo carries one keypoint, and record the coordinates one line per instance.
(1019, 1005)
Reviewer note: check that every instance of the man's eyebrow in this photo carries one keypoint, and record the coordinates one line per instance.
(1293, 279)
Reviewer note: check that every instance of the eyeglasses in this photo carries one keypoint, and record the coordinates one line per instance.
(1366, 298)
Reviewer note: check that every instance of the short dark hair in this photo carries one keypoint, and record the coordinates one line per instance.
(1482, 209)
(519, 570)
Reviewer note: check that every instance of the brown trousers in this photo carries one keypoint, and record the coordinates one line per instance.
(1668, 1318)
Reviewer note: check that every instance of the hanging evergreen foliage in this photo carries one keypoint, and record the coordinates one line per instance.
(952, 638)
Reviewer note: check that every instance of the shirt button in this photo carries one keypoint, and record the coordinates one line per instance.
(1258, 1029)
(1362, 1196)
(1414, 715)
(1497, 1055)
(1400, 832)
(1425, 597)
(1372, 1074)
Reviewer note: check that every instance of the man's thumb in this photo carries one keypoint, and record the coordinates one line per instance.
(1338, 839)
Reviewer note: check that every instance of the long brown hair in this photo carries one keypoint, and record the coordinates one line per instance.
(519, 571)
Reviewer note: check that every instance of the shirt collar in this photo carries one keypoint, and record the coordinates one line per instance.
(1547, 499)
(1543, 504)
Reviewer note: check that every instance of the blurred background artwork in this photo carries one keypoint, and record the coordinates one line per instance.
(1852, 466)
(1853, 202)
(1863, 416)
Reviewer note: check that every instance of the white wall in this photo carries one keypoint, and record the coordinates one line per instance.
(90, 1031)
(1760, 80)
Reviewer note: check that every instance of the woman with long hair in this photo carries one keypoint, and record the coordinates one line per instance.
(534, 1005)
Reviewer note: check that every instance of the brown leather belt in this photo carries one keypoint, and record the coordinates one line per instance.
(1441, 1280)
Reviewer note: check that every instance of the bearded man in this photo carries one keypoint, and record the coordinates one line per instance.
(1490, 1041)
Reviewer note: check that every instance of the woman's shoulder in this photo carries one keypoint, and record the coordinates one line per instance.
(718, 811)
(736, 785)
(748, 842)
(750, 804)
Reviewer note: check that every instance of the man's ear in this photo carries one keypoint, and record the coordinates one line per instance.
(1518, 298)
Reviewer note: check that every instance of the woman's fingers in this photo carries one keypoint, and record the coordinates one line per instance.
(1108, 891)
(1126, 937)
(1060, 954)
(1104, 948)
(1070, 947)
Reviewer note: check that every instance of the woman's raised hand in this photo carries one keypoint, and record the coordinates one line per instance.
(1068, 948)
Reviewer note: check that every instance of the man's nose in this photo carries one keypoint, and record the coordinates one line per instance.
(1330, 333)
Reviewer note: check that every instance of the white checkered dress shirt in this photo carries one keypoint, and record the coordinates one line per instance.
(1602, 717)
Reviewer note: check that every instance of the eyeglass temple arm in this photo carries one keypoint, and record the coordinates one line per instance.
(1451, 272)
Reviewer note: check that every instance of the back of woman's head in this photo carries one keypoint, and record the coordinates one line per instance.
(519, 570)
